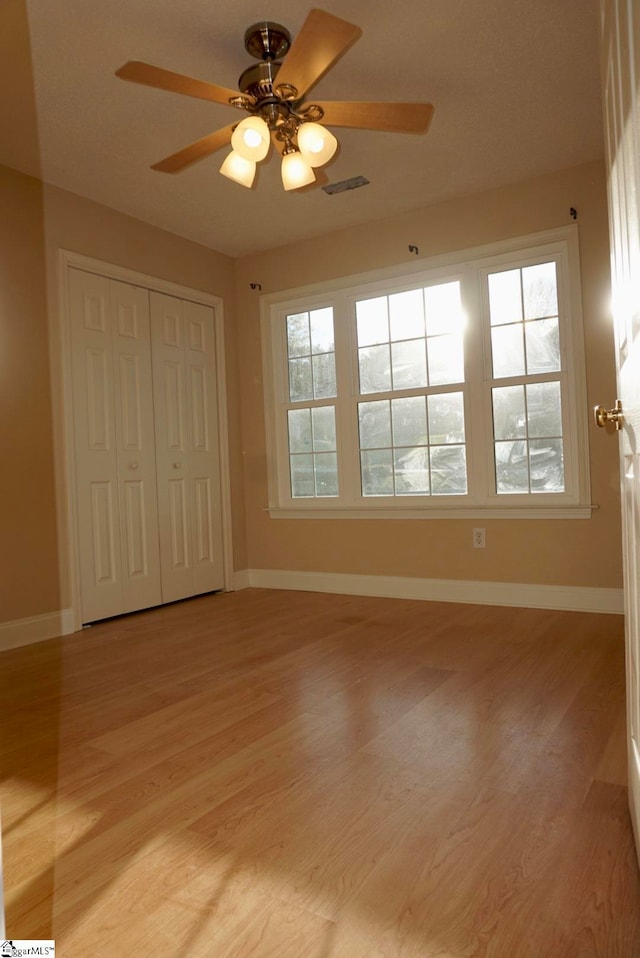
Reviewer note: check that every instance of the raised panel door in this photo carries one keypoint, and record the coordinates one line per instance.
(203, 446)
(95, 446)
(114, 446)
(621, 71)
(135, 445)
(187, 459)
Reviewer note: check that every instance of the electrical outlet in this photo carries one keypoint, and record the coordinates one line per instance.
(478, 539)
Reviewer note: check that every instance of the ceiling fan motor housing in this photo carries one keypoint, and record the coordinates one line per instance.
(267, 41)
(257, 81)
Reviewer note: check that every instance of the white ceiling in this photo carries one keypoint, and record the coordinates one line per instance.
(515, 85)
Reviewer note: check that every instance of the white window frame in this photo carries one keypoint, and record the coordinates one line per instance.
(482, 501)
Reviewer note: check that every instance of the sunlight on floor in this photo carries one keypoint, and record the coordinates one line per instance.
(178, 894)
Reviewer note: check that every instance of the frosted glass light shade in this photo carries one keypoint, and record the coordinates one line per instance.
(238, 169)
(251, 139)
(316, 143)
(295, 171)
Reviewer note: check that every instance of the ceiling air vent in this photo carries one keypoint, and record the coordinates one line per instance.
(351, 184)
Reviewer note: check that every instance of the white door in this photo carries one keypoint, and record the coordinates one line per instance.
(621, 75)
(187, 446)
(114, 446)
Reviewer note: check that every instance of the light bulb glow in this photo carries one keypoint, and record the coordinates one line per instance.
(316, 143)
(251, 139)
(296, 171)
(238, 169)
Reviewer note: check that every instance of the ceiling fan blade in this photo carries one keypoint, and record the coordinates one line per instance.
(146, 73)
(322, 40)
(390, 117)
(195, 151)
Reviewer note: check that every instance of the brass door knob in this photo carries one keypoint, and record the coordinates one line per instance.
(602, 416)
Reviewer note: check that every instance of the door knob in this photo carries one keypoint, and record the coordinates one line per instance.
(133, 465)
(602, 416)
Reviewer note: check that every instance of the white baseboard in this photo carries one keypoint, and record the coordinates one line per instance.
(28, 631)
(520, 595)
(37, 628)
(241, 580)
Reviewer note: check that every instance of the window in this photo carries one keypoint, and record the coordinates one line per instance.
(525, 350)
(411, 348)
(311, 429)
(458, 389)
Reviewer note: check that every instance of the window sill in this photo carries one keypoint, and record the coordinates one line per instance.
(456, 512)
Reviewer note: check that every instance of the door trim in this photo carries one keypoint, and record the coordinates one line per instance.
(67, 259)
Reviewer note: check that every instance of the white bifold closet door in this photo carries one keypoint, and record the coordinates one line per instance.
(146, 446)
(187, 448)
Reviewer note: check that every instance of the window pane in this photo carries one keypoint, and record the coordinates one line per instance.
(310, 345)
(512, 466)
(448, 470)
(505, 297)
(406, 314)
(546, 465)
(377, 473)
(523, 467)
(509, 415)
(324, 428)
(409, 418)
(418, 469)
(446, 362)
(298, 340)
(326, 474)
(324, 376)
(533, 460)
(544, 411)
(375, 424)
(375, 369)
(543, 346)
(540, 291)
(507, 349)
(299, 430)
(300, 379)
(313, 476)
(443, 308)
(446, 418)
(302, 479)
(409, 364)
(372, 321)
(322, 339)
(411, 470)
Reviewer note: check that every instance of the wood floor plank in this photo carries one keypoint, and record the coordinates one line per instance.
(295, 775)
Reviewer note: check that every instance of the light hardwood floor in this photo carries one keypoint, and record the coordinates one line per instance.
(293, 775)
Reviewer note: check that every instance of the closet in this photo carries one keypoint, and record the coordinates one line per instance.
(146, 447)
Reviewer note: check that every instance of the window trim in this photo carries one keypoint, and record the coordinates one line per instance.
(469, 265)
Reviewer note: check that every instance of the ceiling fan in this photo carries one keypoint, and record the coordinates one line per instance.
(274, 94)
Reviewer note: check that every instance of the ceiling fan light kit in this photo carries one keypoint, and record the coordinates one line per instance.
(274, 95)
(295, 170)
(252, 138)
(317, 144)
(239, 169)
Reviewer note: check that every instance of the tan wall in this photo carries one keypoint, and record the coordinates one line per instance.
(82, 226)
(34, 225)
(19, 145)
(36, 222)
(556, 552)
(29, 568)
